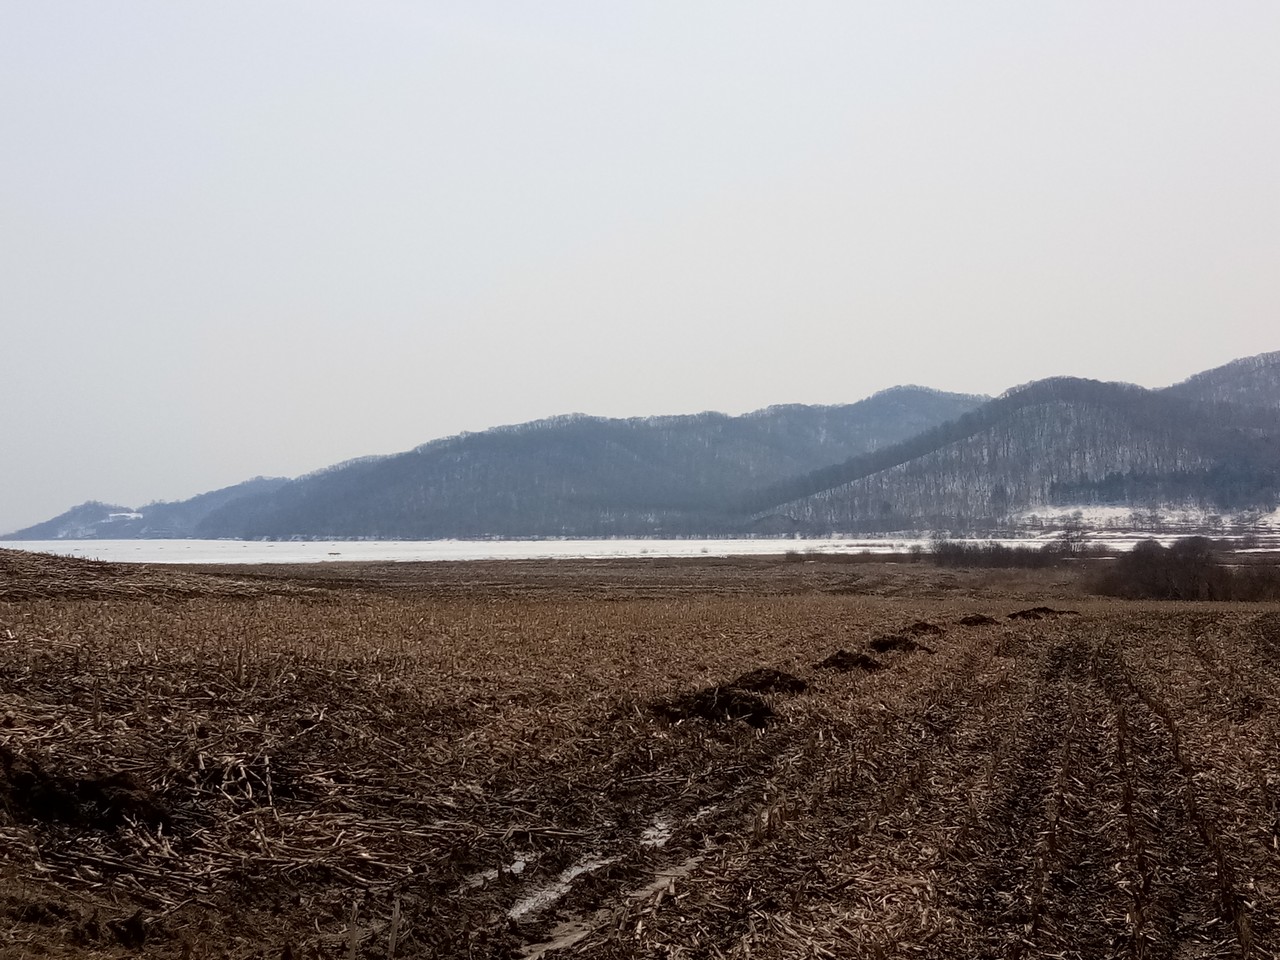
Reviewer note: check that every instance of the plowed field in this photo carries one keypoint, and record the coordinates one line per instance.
(700, 759)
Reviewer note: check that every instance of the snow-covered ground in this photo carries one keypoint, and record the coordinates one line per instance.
(1173, 518)
(1122, 527)
(1117, 527)
(320, 551)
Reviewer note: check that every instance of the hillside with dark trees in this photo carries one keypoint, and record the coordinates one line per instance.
(909, 458)
(1249, 381)
(164, 520)
(1059, 442)
(567, 476)
(584, 476)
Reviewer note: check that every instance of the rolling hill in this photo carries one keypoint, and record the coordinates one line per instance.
(1062, 441)
(164, 520)
(908, 458)
(583, 476)
(1249, 381)
(573, 475)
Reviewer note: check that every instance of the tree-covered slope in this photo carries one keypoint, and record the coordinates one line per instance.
(1250, 381)
(584, 476)
(906, 458)
(103, 521)
(1052, 442)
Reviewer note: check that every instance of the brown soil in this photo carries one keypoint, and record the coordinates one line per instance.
(29, 793)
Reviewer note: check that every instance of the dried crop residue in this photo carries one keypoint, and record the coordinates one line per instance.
(844, 661)
(1011, 645)
(389, 743)
(923, 628)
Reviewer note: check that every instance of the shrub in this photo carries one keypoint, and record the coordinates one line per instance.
(1187, 570)
(949, 553)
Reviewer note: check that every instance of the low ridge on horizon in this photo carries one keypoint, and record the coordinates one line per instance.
(785, 468)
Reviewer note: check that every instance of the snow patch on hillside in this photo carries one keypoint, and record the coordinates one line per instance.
(1187, 517)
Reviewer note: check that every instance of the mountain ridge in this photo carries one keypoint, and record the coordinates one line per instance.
(1093, 443)
(772, 441)
(908, 457)
(575, 475)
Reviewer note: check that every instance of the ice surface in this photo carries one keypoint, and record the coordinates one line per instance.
(557, 888)
(1112, 526)
(327, 551)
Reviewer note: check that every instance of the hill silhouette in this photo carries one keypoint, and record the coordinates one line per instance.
(909, 458)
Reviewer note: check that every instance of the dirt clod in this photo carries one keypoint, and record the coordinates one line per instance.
(718, 705)
(131, 932)
(844, 661)
(923, 628)
(1040, 613)
(897, 642)
(30, 793)
(768, 680)
(977, 620)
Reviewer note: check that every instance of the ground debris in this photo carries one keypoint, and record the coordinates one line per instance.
(923, 628)
(977, 620)
(388, 761)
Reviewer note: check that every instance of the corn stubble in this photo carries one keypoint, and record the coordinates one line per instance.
(483, 760)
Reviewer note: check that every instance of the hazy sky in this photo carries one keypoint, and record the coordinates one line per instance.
(242, 238)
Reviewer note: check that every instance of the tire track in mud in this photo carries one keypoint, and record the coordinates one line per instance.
(1033, 876)
(697, 779)
(1173, 912)
(1216, 679)
(801, 877)
(1203, 680)
(1181, 913)
(1020, 795)
(632, 819)
(644, 823)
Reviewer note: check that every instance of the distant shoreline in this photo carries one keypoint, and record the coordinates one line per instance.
(416, 551)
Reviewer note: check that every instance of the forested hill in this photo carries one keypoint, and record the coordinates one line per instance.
(104, 521)
(1063, 441)
(573, 475)
(583, 476)
(905, 459)
(1250, 381)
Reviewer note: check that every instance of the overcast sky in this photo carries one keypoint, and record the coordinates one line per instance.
(244, 238)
